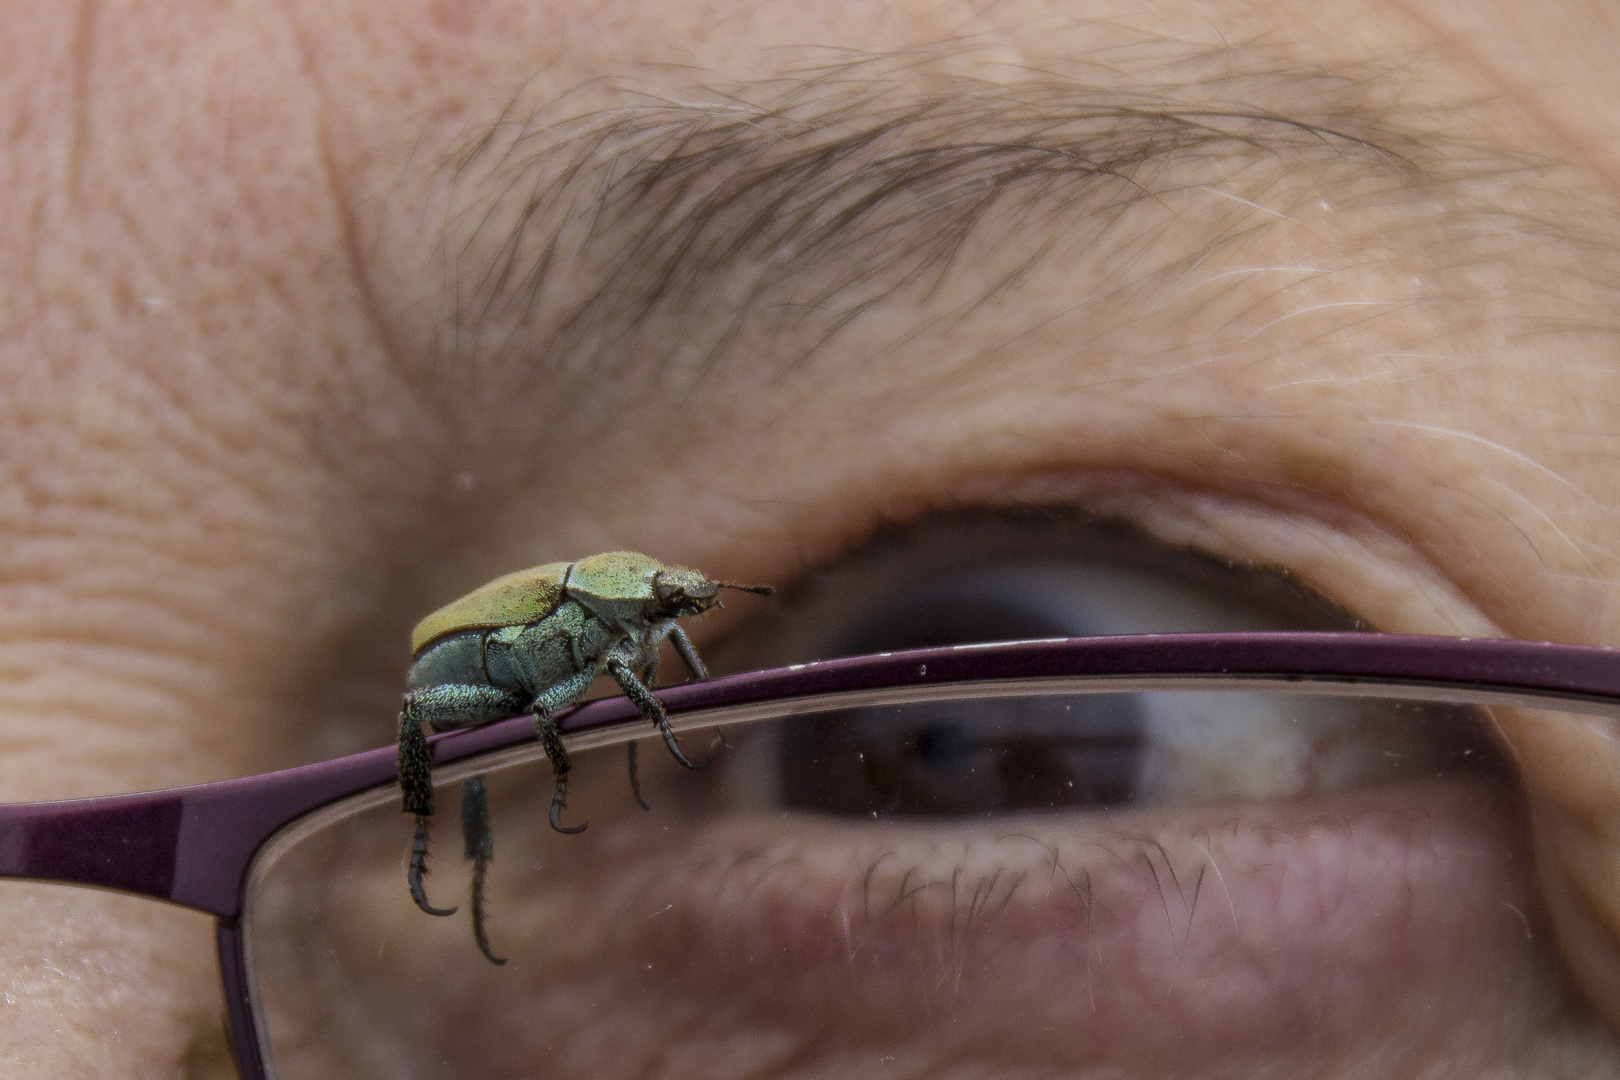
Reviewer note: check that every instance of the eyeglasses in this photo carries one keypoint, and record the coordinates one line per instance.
(992, 858)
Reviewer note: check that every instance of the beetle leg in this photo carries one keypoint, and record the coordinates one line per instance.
(688, 655)
(546, 728)
(480, 842)
(635, 774)
(650, 707)
(418, 870)
(416, 787)
(441, 707)
(415, 762)
(557, 697)
(649, 675)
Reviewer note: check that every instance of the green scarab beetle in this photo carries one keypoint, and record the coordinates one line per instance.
(533, 642)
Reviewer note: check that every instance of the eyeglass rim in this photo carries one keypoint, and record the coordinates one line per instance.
(193, 845)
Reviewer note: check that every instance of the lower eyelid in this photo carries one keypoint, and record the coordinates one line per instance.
(1218, 933)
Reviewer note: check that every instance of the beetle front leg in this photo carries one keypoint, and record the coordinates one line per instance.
(650, 706)
(688, 655)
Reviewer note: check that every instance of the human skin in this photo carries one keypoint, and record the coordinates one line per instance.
(265, 405)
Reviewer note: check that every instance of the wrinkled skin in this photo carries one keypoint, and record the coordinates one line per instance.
(268, 397)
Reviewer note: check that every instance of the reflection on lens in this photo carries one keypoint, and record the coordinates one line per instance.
(1151, 884)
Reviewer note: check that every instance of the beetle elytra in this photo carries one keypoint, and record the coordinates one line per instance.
(533, 642)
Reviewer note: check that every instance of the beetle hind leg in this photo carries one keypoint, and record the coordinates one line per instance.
(441, 708)
(416, 787)
(480, 845)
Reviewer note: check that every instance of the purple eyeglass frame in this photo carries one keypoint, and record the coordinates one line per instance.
(193, 846)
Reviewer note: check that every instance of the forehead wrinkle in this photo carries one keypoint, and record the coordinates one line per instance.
(643, 241)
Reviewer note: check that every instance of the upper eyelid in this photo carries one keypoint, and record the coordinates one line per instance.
(902, 560)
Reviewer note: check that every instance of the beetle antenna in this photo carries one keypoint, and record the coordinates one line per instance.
(759, 590)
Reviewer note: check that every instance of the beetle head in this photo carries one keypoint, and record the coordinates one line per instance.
(679, 593)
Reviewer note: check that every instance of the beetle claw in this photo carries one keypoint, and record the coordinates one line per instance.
(675, 748)
(559, 799)
(419, 870)
(635, 775)
(556, 821)
(480, 935)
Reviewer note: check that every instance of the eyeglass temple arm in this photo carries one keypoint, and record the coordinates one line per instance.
(125, 842)
(190, 846)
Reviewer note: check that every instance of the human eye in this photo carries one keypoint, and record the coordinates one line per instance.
(1232, 883)
(1040, 574)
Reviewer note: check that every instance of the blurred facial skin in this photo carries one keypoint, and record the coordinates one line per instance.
(314, 316)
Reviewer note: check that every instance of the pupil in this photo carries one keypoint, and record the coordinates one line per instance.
(945, 748)
(962, 758)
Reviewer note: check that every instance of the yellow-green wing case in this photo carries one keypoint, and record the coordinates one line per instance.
(517, 598)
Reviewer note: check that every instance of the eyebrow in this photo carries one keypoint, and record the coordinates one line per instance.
(654, 236)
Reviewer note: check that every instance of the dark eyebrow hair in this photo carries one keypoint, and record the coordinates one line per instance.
(659, 233)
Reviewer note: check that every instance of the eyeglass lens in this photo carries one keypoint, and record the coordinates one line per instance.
(1167, 882)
